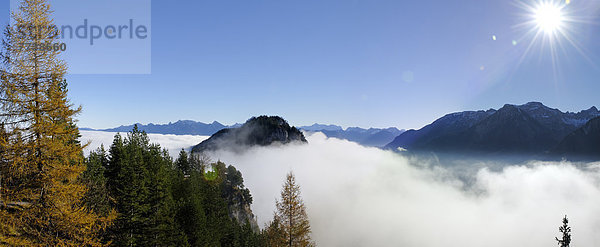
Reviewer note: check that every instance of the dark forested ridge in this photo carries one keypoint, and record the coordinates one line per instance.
(157, 201)
(262, 131)
(161, 202)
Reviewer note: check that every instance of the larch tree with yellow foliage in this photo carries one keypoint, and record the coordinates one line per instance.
(41, 159)
(290, 226)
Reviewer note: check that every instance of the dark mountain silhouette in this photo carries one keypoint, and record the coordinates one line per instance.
(509, 129)
(582, 143)
(450, 124)
(529, 128)
(260, 131)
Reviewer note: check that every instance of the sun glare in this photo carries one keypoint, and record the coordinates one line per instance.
(548, 17)
(552, 26)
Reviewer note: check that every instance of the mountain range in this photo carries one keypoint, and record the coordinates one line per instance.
(368, 137)
(181, 127)
(585, 141)
(372, 137)
(532, 128)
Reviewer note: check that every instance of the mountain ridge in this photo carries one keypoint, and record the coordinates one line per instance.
(581, 143)
(372, 137)
(180, 127)
(531, 128)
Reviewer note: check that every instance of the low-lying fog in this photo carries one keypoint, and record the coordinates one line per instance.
(358, 196)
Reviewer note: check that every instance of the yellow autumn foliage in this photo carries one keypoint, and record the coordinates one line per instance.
(40, 158)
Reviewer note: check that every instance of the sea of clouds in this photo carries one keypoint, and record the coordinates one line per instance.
(174, 143)
(360, 196)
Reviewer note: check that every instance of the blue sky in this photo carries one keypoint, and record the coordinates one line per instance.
(348, 62)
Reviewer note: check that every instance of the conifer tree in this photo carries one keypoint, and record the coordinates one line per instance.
(41, 193)
(183, 163)
(139, 179)
(97, 196)
(190, 213)
(565, 229)
(291, 217)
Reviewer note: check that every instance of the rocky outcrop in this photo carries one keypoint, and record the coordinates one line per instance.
(257, 131)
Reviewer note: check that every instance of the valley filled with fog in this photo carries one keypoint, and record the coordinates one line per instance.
(359, 196)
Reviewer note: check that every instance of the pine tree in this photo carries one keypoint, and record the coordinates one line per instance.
(126, 185)
(162, 206)
(183, 163)
(190, 213)
(139, 179)
(41, 194)
(291, 217)
(565, 229)
(97, 197)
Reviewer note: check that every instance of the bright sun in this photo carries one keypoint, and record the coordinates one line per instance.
(548, 17)
(552, 26)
